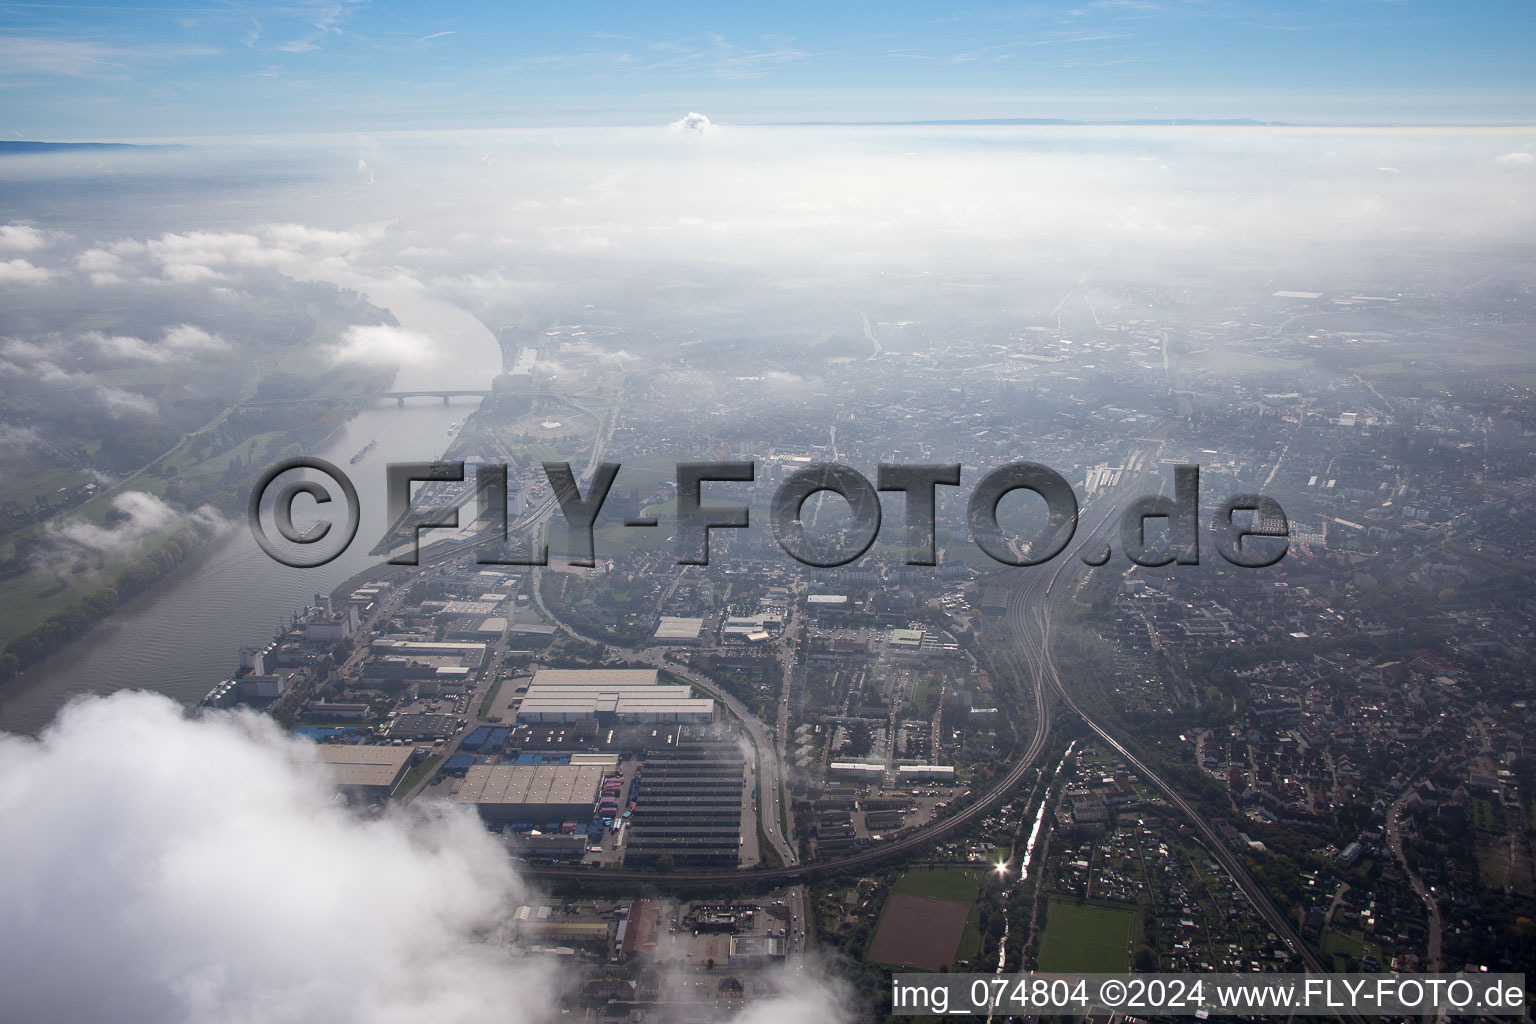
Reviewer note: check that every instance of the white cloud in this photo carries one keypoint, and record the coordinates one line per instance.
(188, 338)
(172, 870)
(385, 345)
(179, 342)
(21, 238)
(22, 272)
(142, 514)
(301, 237)
(98, 260)
(37, 362)
(120, 402)
(190, 273)
(213, 249)
(1519, 158)
(692, 122)
(103, 266)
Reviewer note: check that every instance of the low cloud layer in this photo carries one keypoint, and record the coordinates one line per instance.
(43, 361)
(692, 122)
(19, 271)
(138, 514)
(22, 238)
(168, 869)
(385, 345)
(165, 869)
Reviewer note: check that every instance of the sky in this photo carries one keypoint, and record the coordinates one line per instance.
(174, 69)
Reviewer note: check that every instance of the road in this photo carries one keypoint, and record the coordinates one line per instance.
(1431, 907)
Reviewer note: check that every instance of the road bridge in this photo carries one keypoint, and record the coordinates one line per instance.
(446, 395)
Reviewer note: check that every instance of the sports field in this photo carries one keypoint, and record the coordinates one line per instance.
(1086, 937)
(929, 919)
(918, 931)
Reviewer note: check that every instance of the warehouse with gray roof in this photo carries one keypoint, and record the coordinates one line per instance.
(534, 794)
(610, 697)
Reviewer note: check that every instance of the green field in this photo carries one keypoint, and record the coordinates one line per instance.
(1086, 937)
(940, 883)
(970, 939)
(1340, 945)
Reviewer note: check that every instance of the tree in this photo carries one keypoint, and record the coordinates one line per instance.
(665, 863)
(1144, 959)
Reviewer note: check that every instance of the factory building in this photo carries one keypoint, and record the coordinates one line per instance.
(532, 795)
(609, 697)
(749, 629)
(630, 741)
(594, 677)
(873, 773)
(490, 629)
(468, 653)
(926, 773)
(688, 806)
(675, 629)
(363, 771)
(614, 705)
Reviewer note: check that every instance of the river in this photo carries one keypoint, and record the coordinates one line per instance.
(1027, 859)
(186, 634)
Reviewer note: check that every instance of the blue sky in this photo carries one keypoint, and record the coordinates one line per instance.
(171, 69)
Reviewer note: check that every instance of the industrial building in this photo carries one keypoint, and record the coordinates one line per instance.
(594, 677)
(605, 705)
(926, 773)
(688, 806)
(457, 609)
(749, 629)
(675, 629)
(423, 727)
(862, 771)
(364, 771)
(532, 795)
(629, 741)
(467, 653)
(490, 628)
(609, 697)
